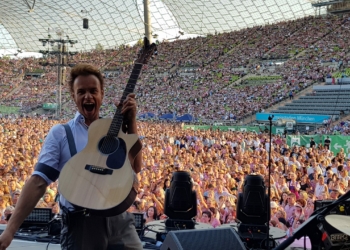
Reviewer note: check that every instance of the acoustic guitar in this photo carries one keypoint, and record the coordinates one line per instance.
(100, 178)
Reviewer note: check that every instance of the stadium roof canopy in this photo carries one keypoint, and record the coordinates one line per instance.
(116, 22)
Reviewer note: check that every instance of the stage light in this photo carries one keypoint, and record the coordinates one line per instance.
(180, 202)
(253, 202)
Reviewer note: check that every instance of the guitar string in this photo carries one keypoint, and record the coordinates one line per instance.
(117, 120)
(109, 140)
(115, 126)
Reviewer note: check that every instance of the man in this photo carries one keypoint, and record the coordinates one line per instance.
(312, 143)
(79, 232)
(293, 161)
(327, 143)
(220, 192)
(13, 187)
(334, 195)
(15, 197)
(314, 167)
(290, 207)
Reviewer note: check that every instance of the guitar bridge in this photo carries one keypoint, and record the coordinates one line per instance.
(98, 170)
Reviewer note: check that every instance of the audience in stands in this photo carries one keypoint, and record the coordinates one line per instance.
(339, 128)
(205, 77)
(199, 75)
(218, 162)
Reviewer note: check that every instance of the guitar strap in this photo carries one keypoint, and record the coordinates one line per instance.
(70, 138)
(73, 151)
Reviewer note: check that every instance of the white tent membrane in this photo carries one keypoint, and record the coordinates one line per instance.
(116, 22)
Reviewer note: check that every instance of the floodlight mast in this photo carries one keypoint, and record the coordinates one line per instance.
(147, 18)
(62, 63)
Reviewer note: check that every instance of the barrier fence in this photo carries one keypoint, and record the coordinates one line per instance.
(275, 129)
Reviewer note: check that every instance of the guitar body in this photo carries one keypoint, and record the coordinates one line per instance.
(100, 177)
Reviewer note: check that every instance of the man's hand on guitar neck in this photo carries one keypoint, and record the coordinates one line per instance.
(129, 111)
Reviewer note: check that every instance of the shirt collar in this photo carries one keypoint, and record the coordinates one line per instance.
(79, 118)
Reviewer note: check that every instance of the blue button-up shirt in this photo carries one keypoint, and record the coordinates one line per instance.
(55, 151)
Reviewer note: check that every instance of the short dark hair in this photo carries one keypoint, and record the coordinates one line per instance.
(208, 213)
(84, 70)
(340, 168)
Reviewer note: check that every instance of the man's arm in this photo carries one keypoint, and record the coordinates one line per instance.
(33, 190)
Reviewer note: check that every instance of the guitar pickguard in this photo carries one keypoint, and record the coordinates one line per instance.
(116, 159)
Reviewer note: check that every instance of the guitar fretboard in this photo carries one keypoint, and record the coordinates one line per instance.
(130, 86)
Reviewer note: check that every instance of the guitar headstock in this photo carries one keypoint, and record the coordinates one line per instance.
(147, 51)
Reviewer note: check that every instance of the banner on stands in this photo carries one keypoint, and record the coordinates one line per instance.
(299, 118)
(337, 141)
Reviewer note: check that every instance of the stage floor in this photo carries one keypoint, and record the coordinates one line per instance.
(27, 245)
(31, 245)
(24, 245)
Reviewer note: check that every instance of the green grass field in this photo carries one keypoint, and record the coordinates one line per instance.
(8, 110)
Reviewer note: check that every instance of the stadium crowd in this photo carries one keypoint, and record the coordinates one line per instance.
(196, 76)
(218, 162)
(339, 128)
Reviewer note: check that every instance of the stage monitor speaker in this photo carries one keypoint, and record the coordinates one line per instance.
(38, 217)
(85, 23)
(203, 239)
(335, 239)
(139, 221)
(342, 208)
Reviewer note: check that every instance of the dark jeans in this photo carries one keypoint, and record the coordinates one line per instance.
(81, 232)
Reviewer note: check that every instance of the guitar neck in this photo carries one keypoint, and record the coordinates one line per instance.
(130, 87)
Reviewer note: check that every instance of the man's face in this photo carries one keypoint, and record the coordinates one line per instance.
(87, 95)
(291, 200)
(15, 198)
(334, 195)
(24, 175)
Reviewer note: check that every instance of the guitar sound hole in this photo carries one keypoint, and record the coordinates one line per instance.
(108, 145)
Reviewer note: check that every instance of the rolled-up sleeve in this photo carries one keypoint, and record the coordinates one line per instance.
(48, 165)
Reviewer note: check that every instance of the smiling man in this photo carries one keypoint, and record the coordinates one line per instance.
(79, 232)
(87, 93)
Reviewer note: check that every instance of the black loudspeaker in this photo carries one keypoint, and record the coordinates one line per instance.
(204, 239)
(85, 23)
